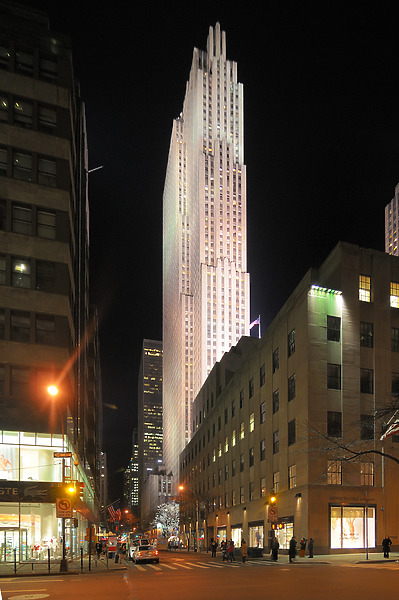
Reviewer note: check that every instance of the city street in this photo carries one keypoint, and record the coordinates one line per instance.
(196, 577)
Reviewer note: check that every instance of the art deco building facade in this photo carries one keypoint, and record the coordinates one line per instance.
(48, 332)
(274, 415)
(205, 283)
(392, 224)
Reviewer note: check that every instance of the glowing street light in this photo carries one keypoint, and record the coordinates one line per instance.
(52, 390)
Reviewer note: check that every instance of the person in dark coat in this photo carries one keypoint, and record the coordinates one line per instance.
(275, 547)
(292, 548)
(230, 551)
(214, 546)
(386, 543)
(310, 547)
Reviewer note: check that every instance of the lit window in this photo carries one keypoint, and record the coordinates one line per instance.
(251, 422)
(242, 431)
(226, 444)
(367, 473)
(292, 477)
(334, 472)
(233, 438)
(394, 298)
(364, 288)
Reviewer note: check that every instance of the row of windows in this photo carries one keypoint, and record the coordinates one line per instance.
(33, 274)
(334, 379)
(26, 166)
(365, 291)
(27, 220)
(247, 493)
(30, 62)
(27, 113)
(26, 327)
(24, 382)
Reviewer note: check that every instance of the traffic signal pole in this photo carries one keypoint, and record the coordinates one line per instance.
(64, 562)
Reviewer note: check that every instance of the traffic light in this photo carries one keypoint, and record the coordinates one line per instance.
(80, 487)
(272, 499)
(277, 526)
(69, 489)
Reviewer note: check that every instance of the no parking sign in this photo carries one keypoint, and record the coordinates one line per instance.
(64, 508)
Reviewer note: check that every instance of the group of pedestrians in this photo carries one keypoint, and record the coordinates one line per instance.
(227, 548)
(302, 548)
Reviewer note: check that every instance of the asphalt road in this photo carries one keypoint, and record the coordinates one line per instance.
(199, 577)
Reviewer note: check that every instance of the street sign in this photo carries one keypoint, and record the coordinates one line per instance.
(62, 454)
(64, 508)
(272, 516)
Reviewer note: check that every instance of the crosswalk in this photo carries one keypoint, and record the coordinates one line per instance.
(175, 566)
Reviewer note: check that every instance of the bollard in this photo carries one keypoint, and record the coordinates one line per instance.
(15, 560)
(48, 559)
(81, 560)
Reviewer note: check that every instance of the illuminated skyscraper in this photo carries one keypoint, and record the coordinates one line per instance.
(392, 224)
(205, 283)
(149, 410)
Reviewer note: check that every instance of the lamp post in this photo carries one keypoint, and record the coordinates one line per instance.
(53, 391)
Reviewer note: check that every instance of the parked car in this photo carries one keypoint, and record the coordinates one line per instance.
(144, 553)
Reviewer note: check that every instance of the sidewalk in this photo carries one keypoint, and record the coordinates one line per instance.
(74, 567)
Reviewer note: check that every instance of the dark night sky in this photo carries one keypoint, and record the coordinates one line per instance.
(321, 148)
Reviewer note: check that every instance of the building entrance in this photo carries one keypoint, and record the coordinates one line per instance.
(10, 540)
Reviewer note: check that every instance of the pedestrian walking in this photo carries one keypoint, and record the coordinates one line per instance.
(223, 547)
(214, 546)
(386, 543)
(230, 551)
(310, 547)
(302, 547)
(292, 548)
(244, 550)
(275, 547)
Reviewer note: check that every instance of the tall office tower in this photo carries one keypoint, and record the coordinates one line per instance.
(44, 315)
(149, 409)
(205, 283)
(392, 224)
(134, 473)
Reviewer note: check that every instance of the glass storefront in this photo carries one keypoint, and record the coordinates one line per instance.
(352, 527)
(284, 534)
(236, 534)
(222, 534)
(256, 536)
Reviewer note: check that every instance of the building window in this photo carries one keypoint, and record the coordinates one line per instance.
(394, 298)
(291, 432)
(395, 384)
(292, 477)
(251, 457)
(395, 339)
(45, 224)
(19, 382)
(20, 326)
(233, 408)
(45, 276)
(242, 463)
(21, 219)
(262, 487)
(233, 467)
(291, 343)
(276, 482)
(291, 388)
(333, 376)
(23, 113)
(367, 474)
(226, 472)
(366, 335)
(262, 375)
(241, 398)
(334, 424)
(262, 450)
(22, 166)
(2, 378)
(366, 381)
(219, 476)
(275, 360)
(233, 497)
(366, 427)
(3, 107)
(233, 438)
(364, 288)
(46, 172)
(242, 431)
(2, 269)
(251, 387)
(242, 495)
(334, 472)
(276, 401)
(333, 328)
(276, 441)
(21, 273)
(220, 450)
(2, 324)
(251, 422)
(262, 412)
(47, 117)
(226, 444)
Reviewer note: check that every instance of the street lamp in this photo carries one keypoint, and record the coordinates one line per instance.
(52, 390)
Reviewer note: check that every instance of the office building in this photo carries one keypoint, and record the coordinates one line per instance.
(391, 224)
(48, 332)
(149, 410)
(205, 279)
(285, 408)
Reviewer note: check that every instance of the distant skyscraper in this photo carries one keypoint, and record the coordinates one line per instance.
(150, 409)
(205, 283)
(391, 224)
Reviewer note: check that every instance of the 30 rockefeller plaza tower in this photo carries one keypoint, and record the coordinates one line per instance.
(205, 283)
